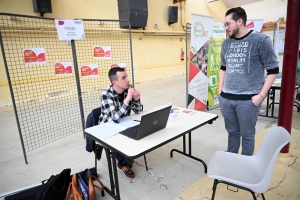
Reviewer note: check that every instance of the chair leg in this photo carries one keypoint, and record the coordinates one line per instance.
(214, 189)
(253, 194)
(96, 162)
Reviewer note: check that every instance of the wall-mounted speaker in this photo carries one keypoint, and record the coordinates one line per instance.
(42, 6)
(172, 14)
(135, 11)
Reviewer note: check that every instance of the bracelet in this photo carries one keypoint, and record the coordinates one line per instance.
(261, 95)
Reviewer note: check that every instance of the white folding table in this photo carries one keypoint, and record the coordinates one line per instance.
(181, 124)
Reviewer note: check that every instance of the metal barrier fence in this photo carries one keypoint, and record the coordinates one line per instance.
(187, 64)
(48, 107)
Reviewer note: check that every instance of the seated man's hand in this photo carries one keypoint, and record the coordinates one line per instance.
(136, 95)
(129, 95)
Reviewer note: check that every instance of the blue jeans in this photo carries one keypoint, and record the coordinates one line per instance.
(240, 119)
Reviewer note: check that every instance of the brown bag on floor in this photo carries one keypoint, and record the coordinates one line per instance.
(88, 178)
(92, 186)
(73, 192)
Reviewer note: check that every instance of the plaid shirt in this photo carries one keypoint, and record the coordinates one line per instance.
(112, 109)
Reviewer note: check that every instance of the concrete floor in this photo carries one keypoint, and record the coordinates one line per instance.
(168, 178)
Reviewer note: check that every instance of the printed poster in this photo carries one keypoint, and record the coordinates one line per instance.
(89, 71)
(201, 31)
(103, 52)
(63, 68)
(34, 55)
(214, 63)
(69, 29)
(122, 65)
(255, 24)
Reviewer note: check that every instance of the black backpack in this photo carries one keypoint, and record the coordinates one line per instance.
(56, 187)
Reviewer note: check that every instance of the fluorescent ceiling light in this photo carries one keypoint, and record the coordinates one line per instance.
(210, 1)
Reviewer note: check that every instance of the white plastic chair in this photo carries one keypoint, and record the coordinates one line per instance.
(250, 173)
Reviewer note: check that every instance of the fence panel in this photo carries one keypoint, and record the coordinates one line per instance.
(115, 43)
(49, 105)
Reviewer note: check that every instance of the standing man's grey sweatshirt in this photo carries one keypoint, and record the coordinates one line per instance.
(245, 60)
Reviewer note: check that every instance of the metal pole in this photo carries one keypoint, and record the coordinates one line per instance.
(291, 48)
(78, 85)
(131, 56)
(187, 53)
(13, 98)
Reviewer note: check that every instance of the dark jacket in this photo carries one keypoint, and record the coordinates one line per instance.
(92, 120)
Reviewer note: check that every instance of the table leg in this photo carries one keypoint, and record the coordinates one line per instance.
(114, 167)
(183, 146)
(112, 186)
(272, 114)
(190, 152)
(270, 94)
(111, 191)
(146, 162)
(268, 99)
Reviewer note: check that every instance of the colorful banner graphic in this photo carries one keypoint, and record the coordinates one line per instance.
(34, 55)
(63, 68)
(255, 24)
(214, 63)
(201, 31)
(103, 52)
(89, 71)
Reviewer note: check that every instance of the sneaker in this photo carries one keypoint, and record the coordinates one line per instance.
(126, 171)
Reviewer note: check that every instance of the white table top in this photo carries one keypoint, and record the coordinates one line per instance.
(181, 123)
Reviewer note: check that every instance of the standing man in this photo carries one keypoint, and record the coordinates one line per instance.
(245, 56)
(116, 103)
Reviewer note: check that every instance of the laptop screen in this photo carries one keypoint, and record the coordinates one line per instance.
(153, 121)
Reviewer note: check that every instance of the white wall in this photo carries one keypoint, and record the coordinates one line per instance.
(269, 10)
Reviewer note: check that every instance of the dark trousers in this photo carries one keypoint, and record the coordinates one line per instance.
(124, 161)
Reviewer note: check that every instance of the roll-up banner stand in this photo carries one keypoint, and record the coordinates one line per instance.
(214, 63)
(201, 31)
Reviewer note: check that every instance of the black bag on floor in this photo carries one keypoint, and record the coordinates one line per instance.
(56, 188)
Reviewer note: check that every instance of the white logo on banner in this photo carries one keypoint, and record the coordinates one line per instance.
(201, 31)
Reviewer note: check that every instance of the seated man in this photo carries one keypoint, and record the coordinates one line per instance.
(117, 102)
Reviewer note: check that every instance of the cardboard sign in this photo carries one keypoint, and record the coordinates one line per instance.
(69, 29)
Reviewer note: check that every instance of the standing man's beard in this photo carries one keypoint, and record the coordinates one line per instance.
(234, 32)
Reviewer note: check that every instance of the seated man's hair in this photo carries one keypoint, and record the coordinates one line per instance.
(237, 13)
(112, 73)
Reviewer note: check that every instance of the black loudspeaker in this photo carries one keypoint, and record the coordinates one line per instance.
(42, 6)
(172, 14)
(135, 11)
